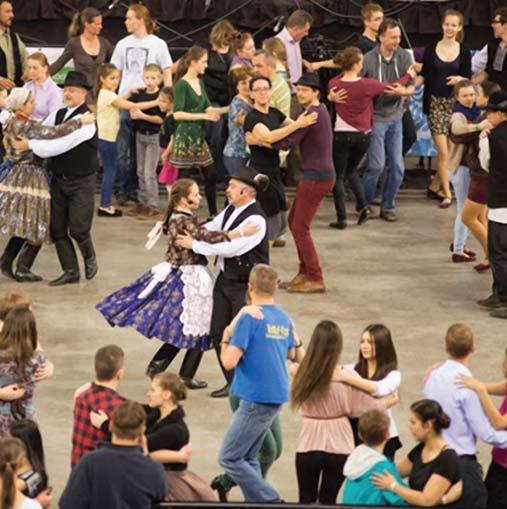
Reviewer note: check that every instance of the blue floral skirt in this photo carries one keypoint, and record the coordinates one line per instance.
(173, 304)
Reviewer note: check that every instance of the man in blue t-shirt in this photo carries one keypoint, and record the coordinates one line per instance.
(258, 350)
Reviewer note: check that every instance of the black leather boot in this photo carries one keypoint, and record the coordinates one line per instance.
(161, 360)
(67, 278)
(11, 250)
(25, 261)
(89, 258)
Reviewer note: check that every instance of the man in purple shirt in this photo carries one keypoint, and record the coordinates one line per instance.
(316, 144)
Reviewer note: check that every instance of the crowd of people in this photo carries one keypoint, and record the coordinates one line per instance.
(257, 119)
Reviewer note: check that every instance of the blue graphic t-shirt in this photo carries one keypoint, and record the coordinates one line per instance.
(261, 374)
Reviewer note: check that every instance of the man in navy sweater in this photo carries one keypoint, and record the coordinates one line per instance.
(118, 475)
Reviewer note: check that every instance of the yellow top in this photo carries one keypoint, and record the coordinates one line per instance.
(108, 116)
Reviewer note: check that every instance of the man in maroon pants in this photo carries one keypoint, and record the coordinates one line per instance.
(315, 143)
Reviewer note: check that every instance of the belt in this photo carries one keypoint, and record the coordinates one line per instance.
(468, 457)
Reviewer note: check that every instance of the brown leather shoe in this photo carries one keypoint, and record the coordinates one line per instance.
(148, 213)
(298, 278)
(389, 216)
(307, 286)
(135, 210)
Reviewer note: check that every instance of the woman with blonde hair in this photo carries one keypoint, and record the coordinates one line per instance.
(276, 47)
(47, 94)
(85, 47)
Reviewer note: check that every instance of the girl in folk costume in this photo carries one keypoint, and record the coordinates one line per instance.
(173, 301)
(24, 189)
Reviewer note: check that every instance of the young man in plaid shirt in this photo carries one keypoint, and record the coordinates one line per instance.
(99, 395)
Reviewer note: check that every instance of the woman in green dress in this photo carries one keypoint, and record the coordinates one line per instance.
(191, 109)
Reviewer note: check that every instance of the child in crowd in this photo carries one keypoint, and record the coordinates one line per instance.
(368, 458)
(99, 395)
(146, 126)
(169, 173)
(12, 461)
(235, 151)
(21, 356)
(109, 104)
(33, 479)
(12, 300)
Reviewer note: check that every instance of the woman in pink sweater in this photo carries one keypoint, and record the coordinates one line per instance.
(354, 100)
(326, 437)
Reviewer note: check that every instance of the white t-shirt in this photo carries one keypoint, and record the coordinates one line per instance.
(30, 503)
(132, 54)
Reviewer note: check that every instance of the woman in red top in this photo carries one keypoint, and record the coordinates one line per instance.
(354, 120)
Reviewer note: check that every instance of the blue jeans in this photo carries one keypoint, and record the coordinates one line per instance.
(126, 177)
(233, 164)
(107, 150)
(386, 141)
(460, 181)
(239, 454)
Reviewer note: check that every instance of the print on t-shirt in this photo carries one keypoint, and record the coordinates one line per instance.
(136, 59)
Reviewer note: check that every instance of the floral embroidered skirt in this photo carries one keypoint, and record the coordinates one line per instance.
(24, 202)
(190, 147)
(173, 304)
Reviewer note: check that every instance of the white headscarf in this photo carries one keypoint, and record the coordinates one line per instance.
(17, 99)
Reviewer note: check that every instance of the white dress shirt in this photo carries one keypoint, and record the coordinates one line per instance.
(463, 406)
(480, 60)
(235, 247)
(58, 146)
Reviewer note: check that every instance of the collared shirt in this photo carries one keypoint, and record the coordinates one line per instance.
(294, 56)
(479, 60)
(57, 146)
(280, 94)
(85, 436)
(235, 247)
(48, 98)
(6, 47)
(463, 406)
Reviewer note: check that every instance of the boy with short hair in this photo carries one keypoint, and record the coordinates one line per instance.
(368, 459)
(99, 395)
(118, 475)
(373, 15)
(147, 126)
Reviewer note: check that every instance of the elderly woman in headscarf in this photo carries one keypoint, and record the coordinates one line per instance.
(24, 188)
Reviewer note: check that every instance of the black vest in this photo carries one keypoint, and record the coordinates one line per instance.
(499, 77)
(238, 268)
(18, 68)
(497, 189)
(82, 160)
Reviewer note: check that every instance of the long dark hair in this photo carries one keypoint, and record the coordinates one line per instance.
(180, 189)
(385, 354)
(103, 71)
(80, 19)
(18, 338)
(28, 432)
(192, 55)
(315, 371)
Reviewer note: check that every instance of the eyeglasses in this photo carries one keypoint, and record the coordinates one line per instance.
(265, 89)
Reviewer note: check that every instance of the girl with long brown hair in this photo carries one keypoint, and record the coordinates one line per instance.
(21, 356)
(326, 437)
(12, 459)
(192, 108)
(173, 301)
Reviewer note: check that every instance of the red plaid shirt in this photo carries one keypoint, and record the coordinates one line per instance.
(84, 436)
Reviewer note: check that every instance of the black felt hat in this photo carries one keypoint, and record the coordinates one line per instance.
(76, 79)
(309, 79)
(252, 177)
(497, 102)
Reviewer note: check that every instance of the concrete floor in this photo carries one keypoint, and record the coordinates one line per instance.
(399, 274)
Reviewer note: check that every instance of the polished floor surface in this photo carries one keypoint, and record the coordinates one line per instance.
(399, 274)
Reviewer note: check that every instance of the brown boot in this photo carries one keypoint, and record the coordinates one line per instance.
(307, 286)
(298, 278)
(135, 210)
(148, 213)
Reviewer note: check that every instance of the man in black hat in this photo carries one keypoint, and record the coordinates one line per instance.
(236, 258)
(73, 166)
(492, 155)
(316, 144)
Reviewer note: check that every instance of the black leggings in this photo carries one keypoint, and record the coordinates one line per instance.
(210, 187)
(320, 476)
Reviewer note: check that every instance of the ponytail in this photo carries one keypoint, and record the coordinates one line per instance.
(12, 451)
(79, 19)
(180, 189)
(193, 54)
